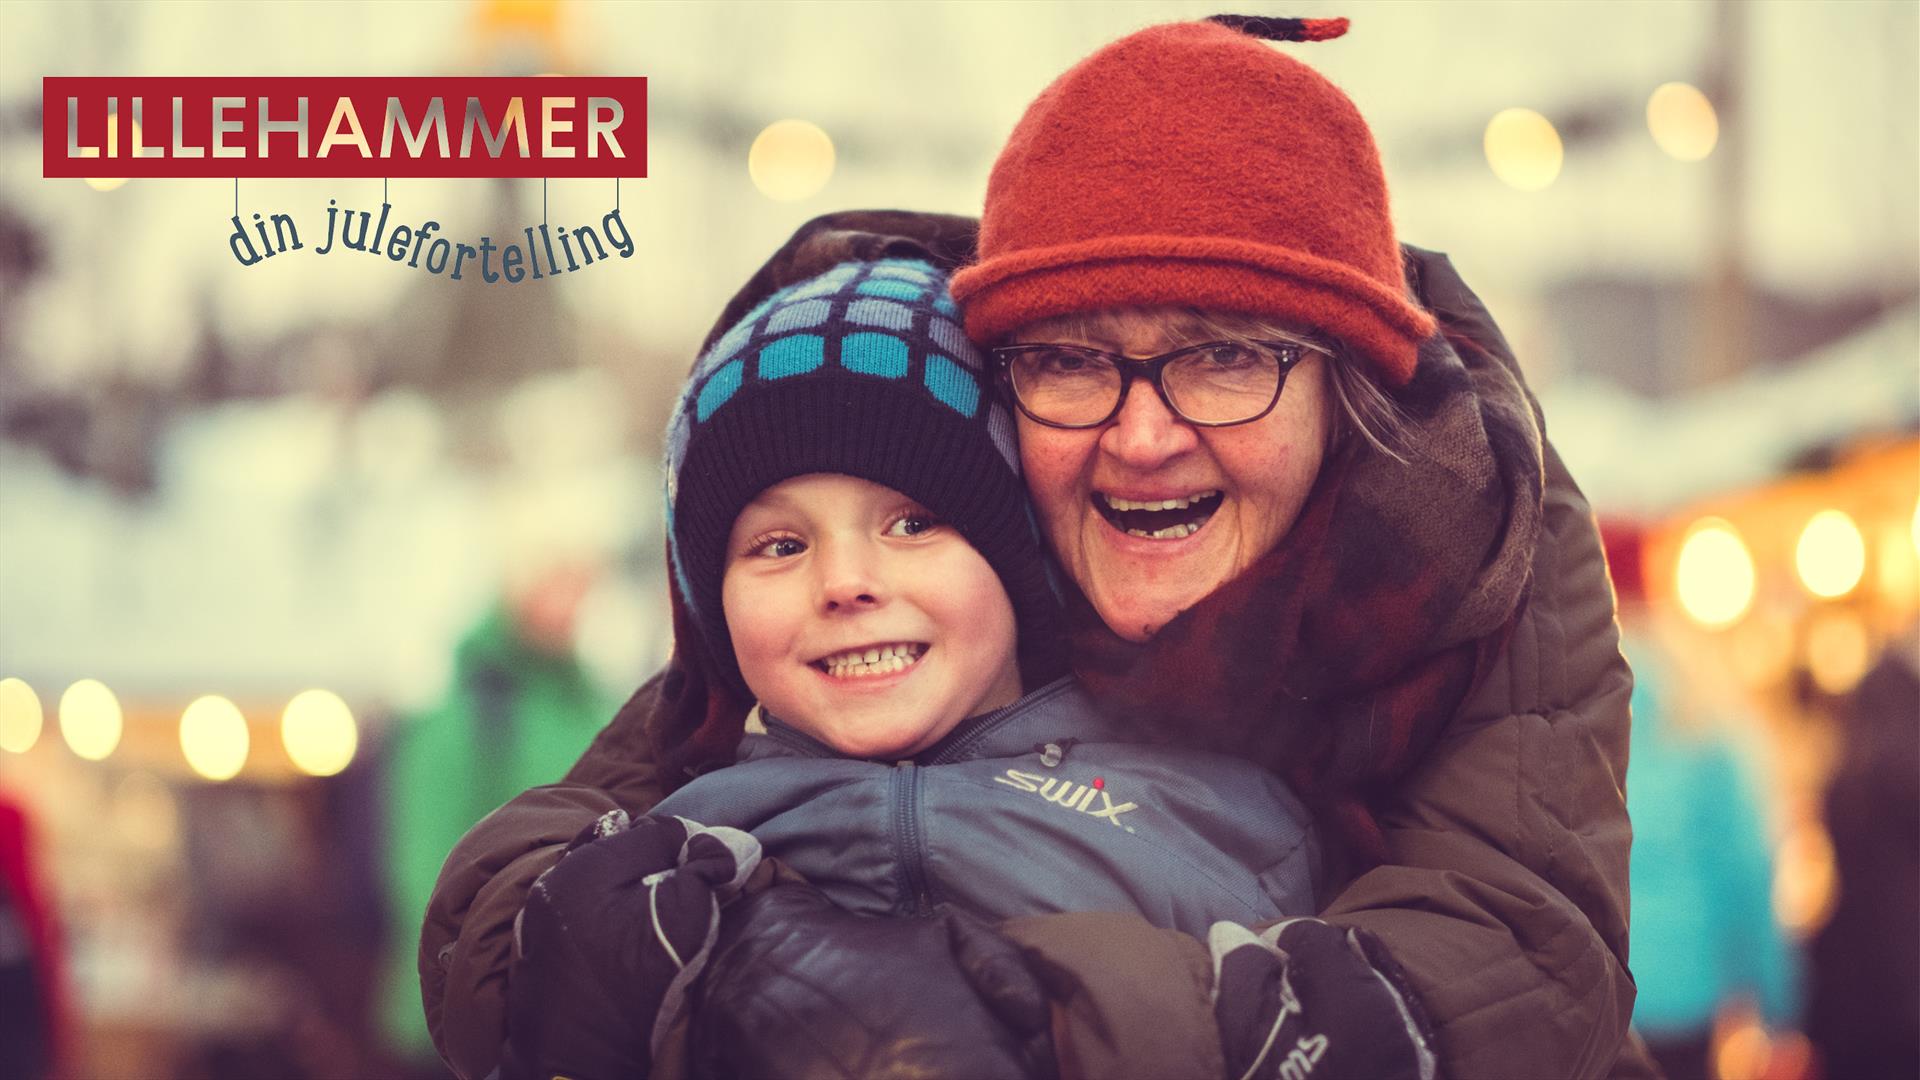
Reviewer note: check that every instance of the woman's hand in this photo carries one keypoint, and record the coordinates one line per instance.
(611, 939)
(799, 988)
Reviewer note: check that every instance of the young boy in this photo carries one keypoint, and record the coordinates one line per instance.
(849, 534)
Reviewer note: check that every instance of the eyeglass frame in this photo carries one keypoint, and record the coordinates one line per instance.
(1151, 368)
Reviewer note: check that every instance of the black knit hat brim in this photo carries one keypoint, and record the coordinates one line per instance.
(892, 435)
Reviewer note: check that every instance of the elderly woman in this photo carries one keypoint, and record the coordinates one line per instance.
(1309, 517)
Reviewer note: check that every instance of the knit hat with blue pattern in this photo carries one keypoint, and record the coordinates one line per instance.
(865, 371)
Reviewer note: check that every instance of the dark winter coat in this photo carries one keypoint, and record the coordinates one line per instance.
(990, 820)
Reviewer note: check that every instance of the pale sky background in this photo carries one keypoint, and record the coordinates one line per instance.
(928, 92)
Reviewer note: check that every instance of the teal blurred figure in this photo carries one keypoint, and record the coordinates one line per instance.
(1704, 931)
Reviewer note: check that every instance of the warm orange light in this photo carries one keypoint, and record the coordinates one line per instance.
(1838, 651)
(213, 735)
(21, 717)
(1804, 879)
(1831, 555)
(319, 733)
(1682, 121)
(90, 719)
(1743, 1051)
(1898, 569)
(1523, 149)
(1714, 576)
(790, 160)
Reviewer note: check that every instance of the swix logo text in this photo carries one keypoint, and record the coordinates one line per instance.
(1303, 1057)
(1071, 796)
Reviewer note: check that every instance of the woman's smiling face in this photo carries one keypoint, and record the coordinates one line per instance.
(1243, 486)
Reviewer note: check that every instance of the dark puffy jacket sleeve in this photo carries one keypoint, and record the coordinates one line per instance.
(1506, 896)
(467, 939)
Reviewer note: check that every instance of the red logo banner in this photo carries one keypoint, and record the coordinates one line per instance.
(268, 128)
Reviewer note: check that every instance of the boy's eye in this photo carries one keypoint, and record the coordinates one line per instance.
(913, 525)
(777, 547)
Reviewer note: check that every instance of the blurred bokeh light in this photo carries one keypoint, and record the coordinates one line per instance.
(214, 737)
(1838, 651)
(791, 160)
(318, 732)
(90, 719)
(1714, 574)
(1682, 121)
(1523, 149)
(1804, 879)
(21, 717)
(1831, 555)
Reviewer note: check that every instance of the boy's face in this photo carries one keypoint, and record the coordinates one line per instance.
(824, 571)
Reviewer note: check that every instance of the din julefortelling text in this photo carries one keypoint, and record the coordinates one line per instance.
(548, 251)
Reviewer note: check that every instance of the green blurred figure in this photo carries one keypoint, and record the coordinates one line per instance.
(519, 711)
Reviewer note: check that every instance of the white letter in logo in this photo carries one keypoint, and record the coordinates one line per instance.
(1018, 779)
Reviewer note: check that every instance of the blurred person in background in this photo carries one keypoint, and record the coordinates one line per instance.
(1864, 1018)
(1422, 637)
(520, 708)
(33, 1008)
(1705, 937)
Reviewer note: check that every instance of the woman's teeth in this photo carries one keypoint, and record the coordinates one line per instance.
(1159, 519)
(1118, 503)
(1173, 532)
(877, 660)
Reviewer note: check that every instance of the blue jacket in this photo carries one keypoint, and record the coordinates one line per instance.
(1704, 930)
(982, 820)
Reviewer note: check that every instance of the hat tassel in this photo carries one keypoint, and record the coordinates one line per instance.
(1272, 29)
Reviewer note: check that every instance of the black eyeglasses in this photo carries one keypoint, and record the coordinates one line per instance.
(1217, 384)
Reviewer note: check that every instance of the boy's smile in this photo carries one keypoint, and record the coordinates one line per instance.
(860, 619)
(866, 662)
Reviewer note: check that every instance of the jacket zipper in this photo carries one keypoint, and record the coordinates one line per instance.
(909, 840)
(959, 744)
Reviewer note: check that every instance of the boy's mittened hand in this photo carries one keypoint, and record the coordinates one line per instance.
(609, 941)
(1307, 1000)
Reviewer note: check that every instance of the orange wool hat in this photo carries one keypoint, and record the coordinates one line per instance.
(1193, 164)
